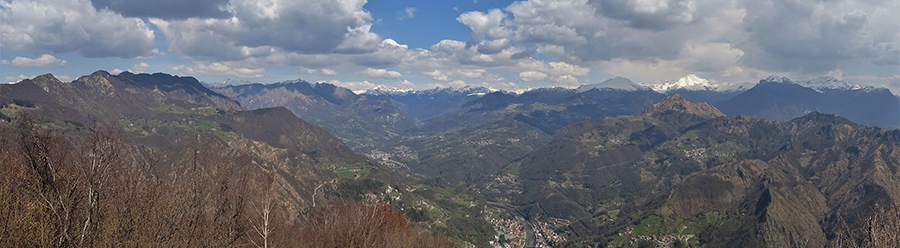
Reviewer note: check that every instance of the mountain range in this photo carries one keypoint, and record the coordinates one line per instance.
(692, 162)
(682, 171)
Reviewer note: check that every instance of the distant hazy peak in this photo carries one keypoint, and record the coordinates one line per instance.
(467, 90)
(677, 103)
(616, 83)
(235, 82)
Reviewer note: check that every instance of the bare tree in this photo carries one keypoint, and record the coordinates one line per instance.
(882, 229)
(102, 154)
(50, 178)
(264, 227)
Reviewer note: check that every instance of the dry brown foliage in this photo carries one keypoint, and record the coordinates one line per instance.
(369, 224)
(109, 192)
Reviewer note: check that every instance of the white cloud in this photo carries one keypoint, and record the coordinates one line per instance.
(304, 70)
(470, 73)
(64, 78)
(21, 77)
(407, 13)
(328, 72)
(45, 60)
(356, 87)
(493, 77)
(483, 25)
(437, 75)
(139, 68)
(60, 26)
(116, 71)
(380, 73)
(528, 76)
(504, 86)
(220, 69)
(557, 68)
(565, 81)
(457, 83)
(402, 85)
(258, 30)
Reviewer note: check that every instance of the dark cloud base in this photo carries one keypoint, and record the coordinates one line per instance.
(166, 9)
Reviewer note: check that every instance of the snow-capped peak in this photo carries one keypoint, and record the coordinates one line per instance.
(825, 83)
(777, 79)
(386, 90)
(689, 82)
(695, 83)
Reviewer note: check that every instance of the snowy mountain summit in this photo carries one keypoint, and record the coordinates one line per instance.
(819, 84)
(828, 83)
(692, 82)
(689, 82)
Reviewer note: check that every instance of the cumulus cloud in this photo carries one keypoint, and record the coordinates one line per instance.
(493, 46)
(814, 36)
(328, 72)
(493, 77)
(504, 86)
(257, 30)
(565, 81)
(12, 79)
(220, 69)
(456, 84)
(653, 14)
(305, 70)
(380, 73)
(356, 87)
(728, 40)
(60, 26)
(166, 9)
(139, 68)
(402, 85)
(528, 76)
(437, 75)
(45, 60)
(551, 67)
(483, 24)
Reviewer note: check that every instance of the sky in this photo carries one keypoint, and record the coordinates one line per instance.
(411, 44)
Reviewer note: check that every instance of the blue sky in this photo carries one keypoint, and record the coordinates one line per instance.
(506, 45)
